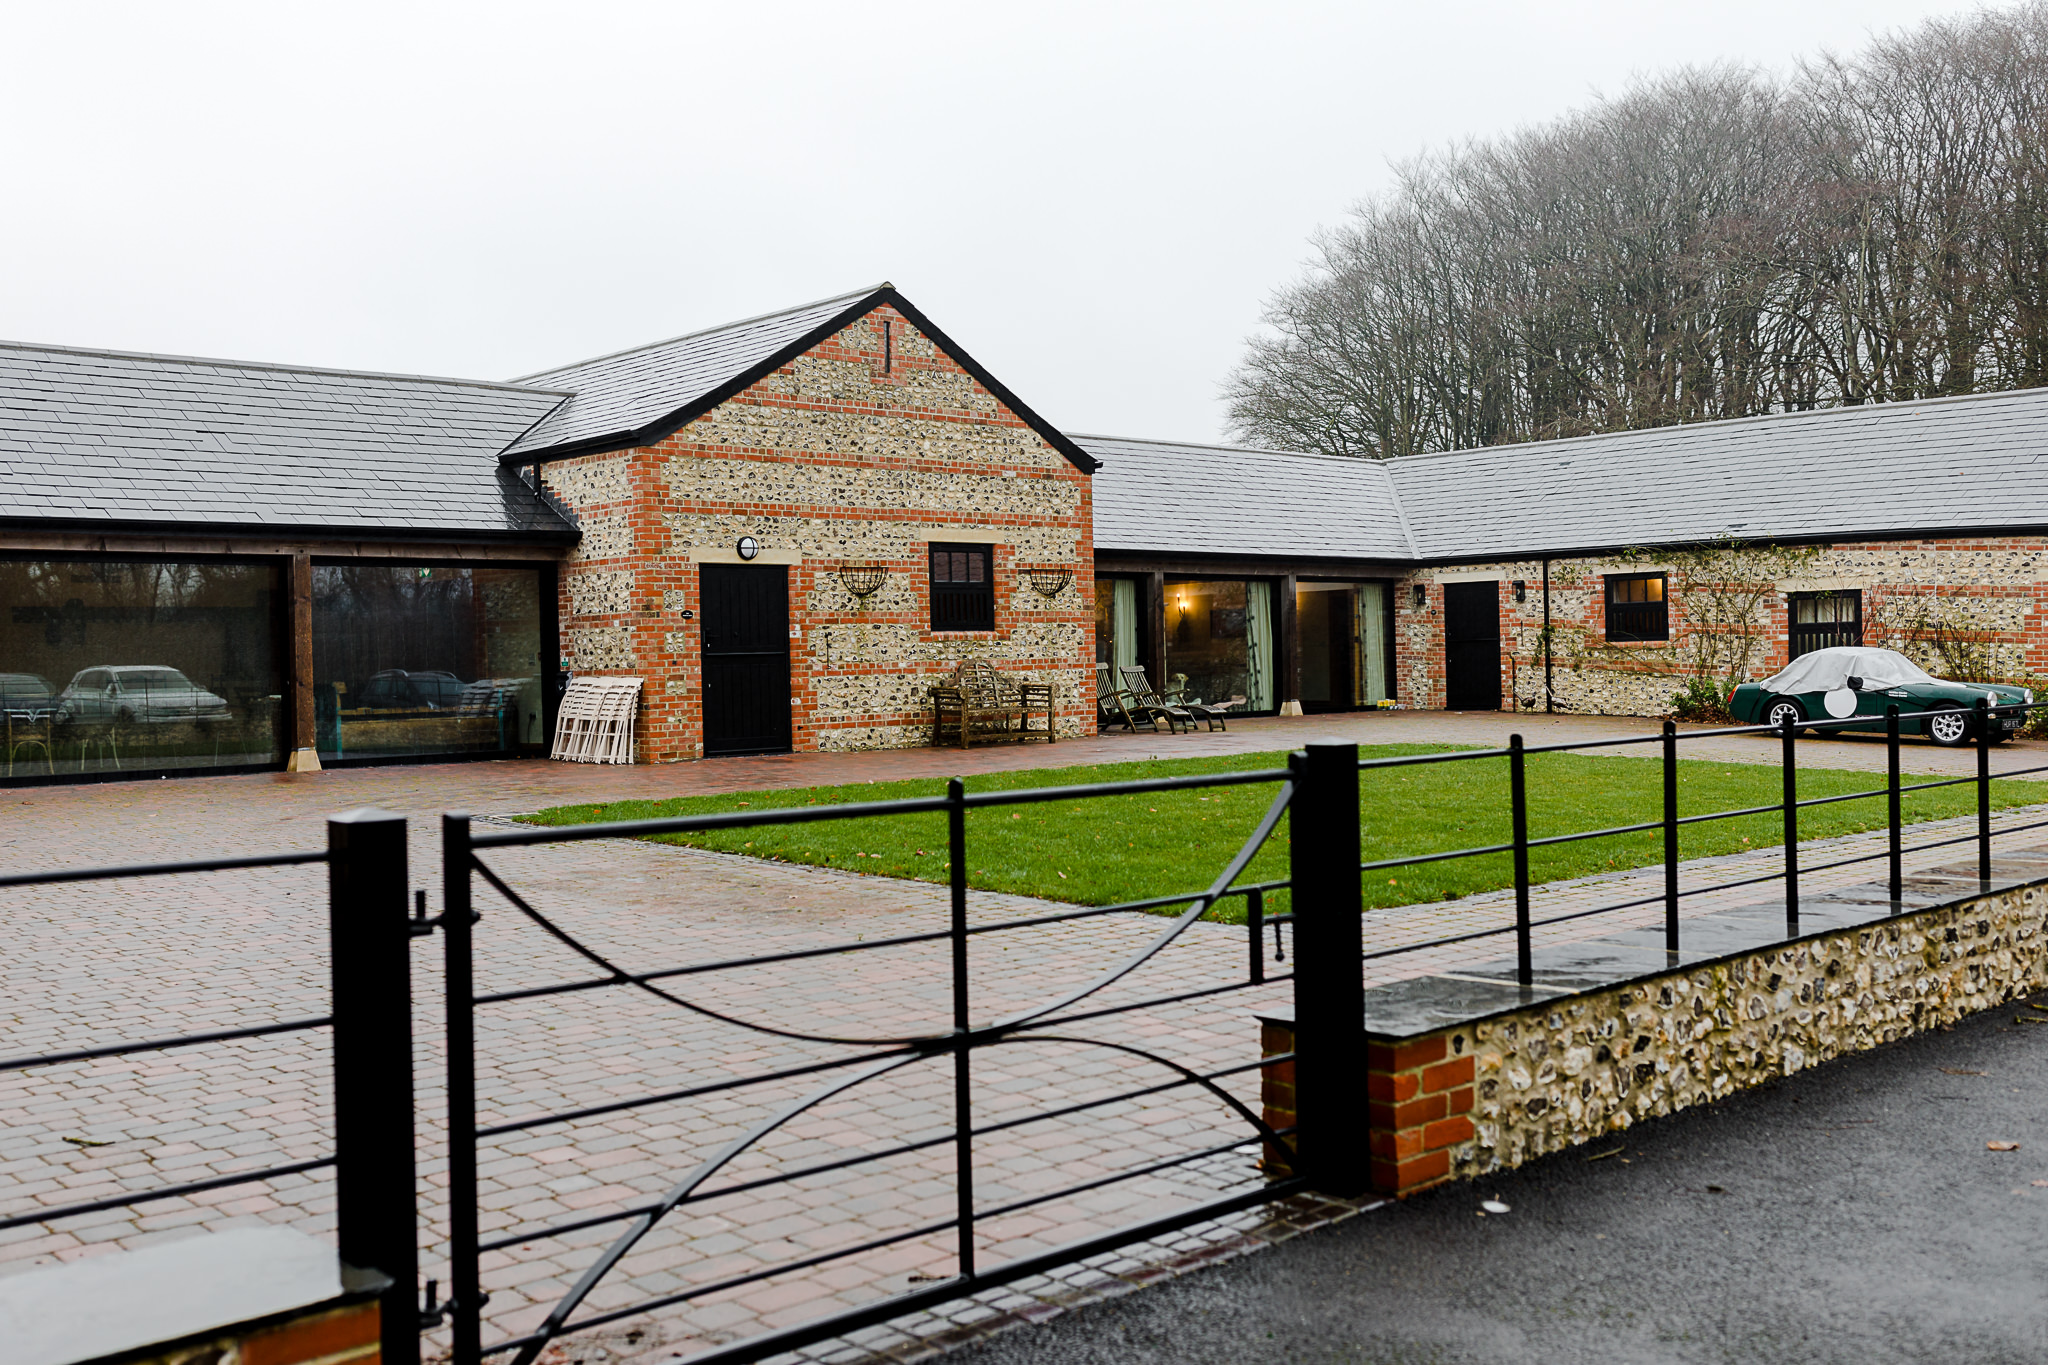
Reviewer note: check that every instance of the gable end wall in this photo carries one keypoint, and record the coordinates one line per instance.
(830, 462)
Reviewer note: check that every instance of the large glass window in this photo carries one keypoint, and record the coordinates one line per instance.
(422, 659)
(1116, 621)
(1219, 640)
(138, 666)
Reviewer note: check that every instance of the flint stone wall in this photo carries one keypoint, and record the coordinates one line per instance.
(1480, 1097)
(834, 461)
(1994, 590)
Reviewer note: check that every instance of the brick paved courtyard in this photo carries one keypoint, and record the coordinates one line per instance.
(113, 961)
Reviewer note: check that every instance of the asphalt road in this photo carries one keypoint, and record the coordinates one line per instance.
(1848, 1214)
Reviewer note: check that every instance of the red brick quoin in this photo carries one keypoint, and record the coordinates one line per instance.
(1419, 1106)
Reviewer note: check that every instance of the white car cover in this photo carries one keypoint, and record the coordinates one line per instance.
(1826, 670)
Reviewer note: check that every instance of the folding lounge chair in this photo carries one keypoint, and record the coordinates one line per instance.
(1213, 712)
(1139, 689)
(1113, 705)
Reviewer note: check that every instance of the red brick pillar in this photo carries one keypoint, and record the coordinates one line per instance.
(1419, 1099)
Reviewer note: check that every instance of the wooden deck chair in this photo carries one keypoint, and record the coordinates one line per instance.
(1113, 705)
(1140, 691)
(1213, 712)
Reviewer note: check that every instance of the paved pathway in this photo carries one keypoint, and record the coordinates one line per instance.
(120, 960)
(1845, 1215)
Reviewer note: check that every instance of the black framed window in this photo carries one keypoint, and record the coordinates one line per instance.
(963, 587)
(1824, 620)
(1636, 608)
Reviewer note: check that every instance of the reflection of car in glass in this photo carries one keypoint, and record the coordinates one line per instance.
(396, 689)
(136, 693)
(1836, 684)
(25, 695)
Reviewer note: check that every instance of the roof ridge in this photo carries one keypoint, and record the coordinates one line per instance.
(1235, 450)
(1833, 410)
(278, 366)
(707, 331)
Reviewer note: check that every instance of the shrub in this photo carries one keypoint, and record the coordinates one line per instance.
(1700, 701)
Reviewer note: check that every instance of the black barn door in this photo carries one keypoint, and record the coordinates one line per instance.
(746, 658)
(1472, 646)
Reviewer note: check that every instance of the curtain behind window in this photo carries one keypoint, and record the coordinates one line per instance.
(1372, 635)
(1259, 597)
(1123, 620)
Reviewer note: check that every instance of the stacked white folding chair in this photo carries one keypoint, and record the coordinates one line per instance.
(595, 721)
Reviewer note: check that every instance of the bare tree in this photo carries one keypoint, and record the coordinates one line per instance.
(1710, 243)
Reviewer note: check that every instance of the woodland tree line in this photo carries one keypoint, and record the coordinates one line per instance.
(1713, 243)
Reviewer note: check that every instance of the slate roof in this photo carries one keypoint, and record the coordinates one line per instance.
(1972, 463)
(635, 397)
(113, 439)
(638, 397)
(1172, 497)
(1942, 466)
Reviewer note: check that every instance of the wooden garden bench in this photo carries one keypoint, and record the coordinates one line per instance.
(977, 702)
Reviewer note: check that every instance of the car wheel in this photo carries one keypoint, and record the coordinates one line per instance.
(1777, 708)
(1949, 727)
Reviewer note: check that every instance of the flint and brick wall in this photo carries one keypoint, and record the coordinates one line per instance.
(833, 462)
(1496, 1093)
(1997, 588)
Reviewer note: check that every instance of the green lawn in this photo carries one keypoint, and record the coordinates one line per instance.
(1105, 850)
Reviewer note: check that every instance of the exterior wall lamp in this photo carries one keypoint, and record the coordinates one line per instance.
(1421, 596)
(747, 548)
(1521, 590)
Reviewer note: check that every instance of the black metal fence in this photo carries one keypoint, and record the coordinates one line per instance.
(371, 1025)
(1318, 793)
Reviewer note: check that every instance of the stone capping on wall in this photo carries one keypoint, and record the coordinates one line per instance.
(1471, 1073)
(259, 1296)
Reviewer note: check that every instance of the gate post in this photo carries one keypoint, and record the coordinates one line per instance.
(1332, 1141)
(370, 949)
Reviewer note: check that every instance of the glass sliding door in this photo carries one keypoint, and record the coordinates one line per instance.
(122, 667)
(1220, 640)
(418, 659)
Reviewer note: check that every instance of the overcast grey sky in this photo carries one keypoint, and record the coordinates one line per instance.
(1093, 199)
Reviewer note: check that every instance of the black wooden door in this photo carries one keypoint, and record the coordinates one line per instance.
(1472, 646)
(746, 658)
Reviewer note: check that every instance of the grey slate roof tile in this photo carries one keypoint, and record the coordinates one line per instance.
(1941, 465)
(628, 392)
(1948, 465)
(114, 437)
(1174, 497)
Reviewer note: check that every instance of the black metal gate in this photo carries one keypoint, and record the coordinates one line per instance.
(1472, 646)
(745, 658)
(1824, 620)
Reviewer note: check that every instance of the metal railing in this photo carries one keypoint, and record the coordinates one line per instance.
(1983, 735)
(370, 1022)
(377, 1128)
(858, 1060)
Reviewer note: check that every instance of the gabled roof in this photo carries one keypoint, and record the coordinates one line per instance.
(1943, 466)
(641, 396)
(114, 439)
(1172, 497)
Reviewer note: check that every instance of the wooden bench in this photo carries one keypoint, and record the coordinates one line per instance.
(977, 702)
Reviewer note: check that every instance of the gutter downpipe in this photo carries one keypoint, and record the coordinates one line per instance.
(1549, 701)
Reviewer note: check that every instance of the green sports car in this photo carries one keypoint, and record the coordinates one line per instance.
(1835, 684)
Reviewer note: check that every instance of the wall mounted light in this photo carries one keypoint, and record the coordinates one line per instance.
(748, 547)
(1421, 596)
(1521, 591)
